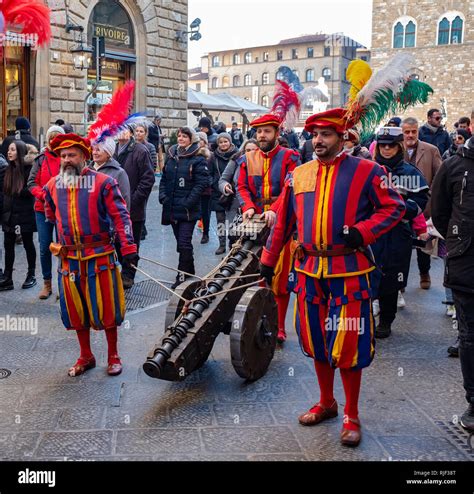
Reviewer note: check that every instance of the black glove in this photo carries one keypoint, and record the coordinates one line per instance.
(267, 272)
(130, 259)
(353, 238)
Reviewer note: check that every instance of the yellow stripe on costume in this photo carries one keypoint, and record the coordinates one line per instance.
(76, 299)
(121, 293)
(325, 226)
(340, 336)
(266, 193)
(308, 327)
(99, 299)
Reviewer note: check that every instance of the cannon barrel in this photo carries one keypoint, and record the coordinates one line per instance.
(154, 365)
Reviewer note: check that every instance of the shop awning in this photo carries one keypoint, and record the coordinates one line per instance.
(202, 101)
(246, 106)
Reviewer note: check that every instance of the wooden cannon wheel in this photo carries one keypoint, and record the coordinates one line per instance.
(254, 333)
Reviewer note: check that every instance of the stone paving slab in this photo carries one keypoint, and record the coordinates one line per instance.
(408, 393)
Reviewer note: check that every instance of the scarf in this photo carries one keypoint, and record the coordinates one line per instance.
(390, 163)
(432, 127)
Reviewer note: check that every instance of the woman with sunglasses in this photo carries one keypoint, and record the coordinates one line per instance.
(460, 137)
(393, 250)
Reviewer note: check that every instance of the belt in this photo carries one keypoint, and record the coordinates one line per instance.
(90, 245)
(302, 251)
(267, 202)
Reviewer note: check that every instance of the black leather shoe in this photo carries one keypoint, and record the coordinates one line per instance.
(30, 282)
(127, 283)
(453, 350)
(383, 330)
(6, 283)
(467, 418)
(205, 239)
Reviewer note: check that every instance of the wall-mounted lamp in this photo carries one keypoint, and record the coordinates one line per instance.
(181, 36)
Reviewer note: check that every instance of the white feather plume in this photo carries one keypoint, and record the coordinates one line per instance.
(390, 77)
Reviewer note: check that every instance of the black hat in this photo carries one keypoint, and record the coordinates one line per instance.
(205, 122)
(389, 135)
(464, 133)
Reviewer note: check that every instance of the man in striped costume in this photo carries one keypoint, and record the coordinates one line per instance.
(338, 205)
(261, 178)
(88, 209)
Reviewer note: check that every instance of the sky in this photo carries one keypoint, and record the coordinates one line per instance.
(231, 24)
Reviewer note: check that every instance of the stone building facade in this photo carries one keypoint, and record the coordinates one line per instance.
(140, 43)
(251, 72)
(440, 35)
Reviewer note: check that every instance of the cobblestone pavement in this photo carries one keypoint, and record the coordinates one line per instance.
(410, 398)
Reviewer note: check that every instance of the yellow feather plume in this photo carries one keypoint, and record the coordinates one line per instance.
(358, 74)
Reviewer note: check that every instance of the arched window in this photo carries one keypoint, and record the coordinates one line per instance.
(398, 34)
(410, 35)
(265, 101)
(443, 32)
(265, 78)
(247, 80)
(456, 30)
(215, 83)
(310, 75)
(248, 57)
(450, 28)
(225, 81)
(236, 81)
(327, 74)
(404, 32)
(215, 61)
(236, 58)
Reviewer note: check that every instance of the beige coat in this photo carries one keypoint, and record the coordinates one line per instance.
(428, 161)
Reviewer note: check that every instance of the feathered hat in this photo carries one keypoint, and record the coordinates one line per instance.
(115, 116)
(285, 109)
(390, 90)
(32, 16)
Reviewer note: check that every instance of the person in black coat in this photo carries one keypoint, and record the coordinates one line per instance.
(185, 176)
(393, 250)
(218, 163)
(135, 159)
(452, 211)
(23, 133)
(17, 211)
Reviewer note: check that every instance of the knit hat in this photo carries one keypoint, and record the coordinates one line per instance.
(22, 123)
(464, 133)
(191, 133)
(224, 135)
(203, 137)
(205, 122)
(108, 145)
(54, 128)
(397, 121)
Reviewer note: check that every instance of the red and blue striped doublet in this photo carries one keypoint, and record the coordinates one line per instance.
(88, 211)
(261, 180)
(320, 201)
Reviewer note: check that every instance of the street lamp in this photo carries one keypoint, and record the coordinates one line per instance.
(82, 56)
(195, 34)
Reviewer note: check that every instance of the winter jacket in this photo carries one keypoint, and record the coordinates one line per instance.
(450, 152)
(361, 152)
(185, 176)
(292, 139)
(453, 216)
(45, 166)
(153, 153)
(217, 166)
(136, 161)
(237, 137)
(154, 136)
(22, 135)
(307, 151)
(231, 176)
(18, 209)
(392, 251)
(427, 160)
(440, 138)
(113, 169)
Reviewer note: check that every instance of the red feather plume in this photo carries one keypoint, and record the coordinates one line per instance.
(33, 16)
(114, 115)
(286, 103)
